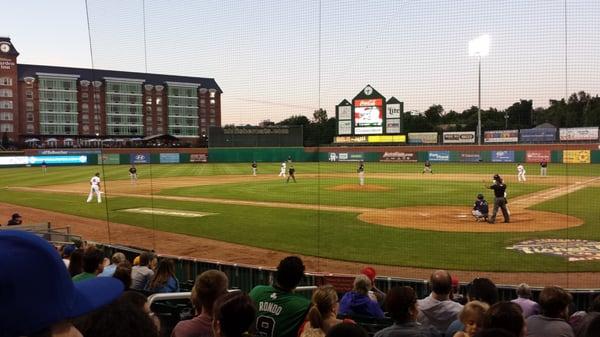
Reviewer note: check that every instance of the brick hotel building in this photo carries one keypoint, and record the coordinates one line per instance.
(62, 106)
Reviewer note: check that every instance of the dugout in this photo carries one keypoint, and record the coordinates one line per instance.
(252, 136)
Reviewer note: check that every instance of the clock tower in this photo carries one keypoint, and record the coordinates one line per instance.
(9, 98)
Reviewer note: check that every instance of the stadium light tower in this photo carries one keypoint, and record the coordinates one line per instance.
(479, 47)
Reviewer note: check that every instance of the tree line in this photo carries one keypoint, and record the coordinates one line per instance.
(580, 109)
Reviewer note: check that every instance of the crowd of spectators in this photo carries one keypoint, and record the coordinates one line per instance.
(76, 291)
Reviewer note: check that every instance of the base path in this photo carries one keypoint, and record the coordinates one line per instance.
(213, 250)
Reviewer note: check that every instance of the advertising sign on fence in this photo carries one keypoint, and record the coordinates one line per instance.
(169, 158)
(392, 126)
(439, 155)
(574, 134)
(399, 157)
(344, 127)
(538, 156)
(501, 136)
(542, 135)
(109, 158)
(38, 160)
(465, 137)
(139, 158)
(198, 158)
(503, 156)
(422, 137)
(14, 160)
(576, 156)
(472, 157)
(67, 152)
(351, 139)
(334, 156)
(387, 139)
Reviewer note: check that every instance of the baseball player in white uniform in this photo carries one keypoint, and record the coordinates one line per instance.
(282, 170)
(521, 173)
(95, 188)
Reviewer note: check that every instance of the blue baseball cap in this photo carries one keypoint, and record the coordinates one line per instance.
(36, 290)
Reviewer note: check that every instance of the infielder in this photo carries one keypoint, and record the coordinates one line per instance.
(282, 170)
(427, 167)
(44, 167)
(521, 173)
(499, 199)
(133, 174)
(95, 188)
(291, 174)
(543, 168)
(361, 173)
(254, 168)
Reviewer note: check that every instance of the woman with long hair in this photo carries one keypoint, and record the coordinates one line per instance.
(322, 314)
(76, 262)
(164, 280)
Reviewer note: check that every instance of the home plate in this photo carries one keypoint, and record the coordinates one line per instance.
(461, 216)
(167, 212)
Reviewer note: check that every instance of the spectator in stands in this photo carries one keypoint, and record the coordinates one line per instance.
(523, 299)
(554, 302)
(455, 295)
(438, 310)
(374, 293)
(123, 274)
(347, 330)
(93, 264)
(581, 318)
(110, 269)
(164, 280)
(401, 305)
(280, 310)
(357, 302)
(322, 314)
(507, 316)
(209, 286)
(472, 318)
(76, 262)
(66, 252)
(15, 220)
(494, 332)
(142, 274)
(590, 327)
(234, 314)
(122, 318)
(480, 289)
(38, 296)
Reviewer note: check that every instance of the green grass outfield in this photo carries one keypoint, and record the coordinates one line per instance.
(336, 235)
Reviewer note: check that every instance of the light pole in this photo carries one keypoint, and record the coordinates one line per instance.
(479, 47)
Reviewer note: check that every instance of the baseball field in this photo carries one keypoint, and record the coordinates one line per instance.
(400, 218)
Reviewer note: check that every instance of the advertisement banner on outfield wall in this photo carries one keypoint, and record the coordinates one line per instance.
(139, 158)
(501, 136)
(14, 160)
(344, 156)
(198, 158)
(109, 159)
(422, 137)
(538, 156)
(169, 158)
(38, 160)
(466, 137)
(574, 134)
(472, 157)
(67, 152)
(387, 139)
(439, 155)
(399, 157)
(542, 135)
(503, 156)
(576, 156)
(351, 139)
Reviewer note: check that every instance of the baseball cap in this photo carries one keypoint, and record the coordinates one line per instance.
(16, 215)
(68, 250)
(369, 272)
(36, 290)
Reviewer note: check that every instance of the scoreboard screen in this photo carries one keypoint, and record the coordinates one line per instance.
(368, 116)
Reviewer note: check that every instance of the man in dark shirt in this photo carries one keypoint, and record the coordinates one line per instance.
(543, 168)
(291, 173)
(133, 174)
(499, 199)
(480, 208)
(16, 219)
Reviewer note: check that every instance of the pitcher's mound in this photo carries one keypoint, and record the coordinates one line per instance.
(357, 187)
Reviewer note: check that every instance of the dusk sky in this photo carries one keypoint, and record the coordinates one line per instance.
(265, 54)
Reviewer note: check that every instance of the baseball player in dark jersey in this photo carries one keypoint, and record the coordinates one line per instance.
(427, 167)
(499, 199)
(480, 208)
(133, 174)
(543, 168)
(254, 168)
(291, 172)
(361, 173)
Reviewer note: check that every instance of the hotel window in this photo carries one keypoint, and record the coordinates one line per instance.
(85, 128)
(30, 128)
(159, 119)
(159, 129)
(6, 128)
(133, 110)
(29, 106)
(6, 104)
(85, 118)
(85, 96)
(158, 101)
(84, 107)
(29, 117)
(212, 121)
(202, 102)
(212, 102)
(68, 130)
(96, 117)
(29, 94)
(159, 109)
(212, 94)
(149, 109)
(96, 108)
(149, 119)
(96, 97)
(6, 116)
(67, 85)
(6, 93)
(149, 100)
(5, 81)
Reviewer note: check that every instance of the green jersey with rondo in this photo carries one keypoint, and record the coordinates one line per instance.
(280, 312)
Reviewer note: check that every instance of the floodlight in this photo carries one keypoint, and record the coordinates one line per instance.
(479, 46)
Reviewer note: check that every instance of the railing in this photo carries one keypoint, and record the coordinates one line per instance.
(55, 235)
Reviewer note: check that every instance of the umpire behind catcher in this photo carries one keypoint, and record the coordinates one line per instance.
(499, 199)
